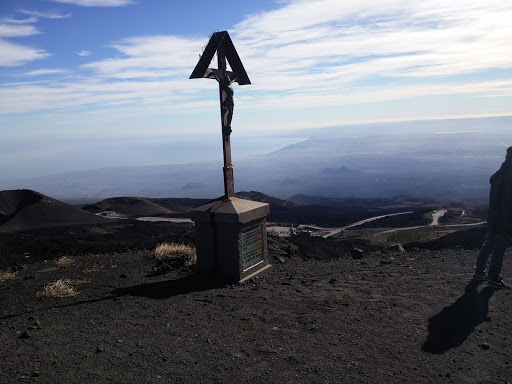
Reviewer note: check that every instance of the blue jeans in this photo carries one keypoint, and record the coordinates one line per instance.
(497, 244)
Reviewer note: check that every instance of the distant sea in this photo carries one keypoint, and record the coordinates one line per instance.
(250, 146)
(141, 152)
(191, 150)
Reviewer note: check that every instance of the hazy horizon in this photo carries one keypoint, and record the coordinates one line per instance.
(164, 151)
(208, 148)
(447, 159)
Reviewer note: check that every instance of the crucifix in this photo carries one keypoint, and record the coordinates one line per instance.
(221, 43)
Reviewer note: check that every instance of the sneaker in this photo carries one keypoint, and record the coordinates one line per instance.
(500, 284)
(480, 277)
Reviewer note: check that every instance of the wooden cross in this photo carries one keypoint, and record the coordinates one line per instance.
(221, 43)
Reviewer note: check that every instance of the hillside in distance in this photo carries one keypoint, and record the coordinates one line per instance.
(26, 209)
(129, 206)
(443, 159)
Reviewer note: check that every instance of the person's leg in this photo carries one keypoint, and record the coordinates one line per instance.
(500, 244)
(483, 255)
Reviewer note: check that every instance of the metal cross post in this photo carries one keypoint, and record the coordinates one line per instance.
(221, 43)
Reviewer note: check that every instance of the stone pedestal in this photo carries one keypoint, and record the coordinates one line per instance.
(231, 238)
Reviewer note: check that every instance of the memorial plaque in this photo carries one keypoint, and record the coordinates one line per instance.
(251, 245)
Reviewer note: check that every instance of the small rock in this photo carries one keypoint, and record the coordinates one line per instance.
(357, 253)
(18, 267)
(332, 281)
(24, 335)
(396, 247)
(35, 374)
(484, 346)
(122, 276)
(99, 349)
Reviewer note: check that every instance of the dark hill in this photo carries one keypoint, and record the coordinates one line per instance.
(184, 205)
(295, 212)
(129, 206)
(25, 209)
(181, 205)
(341, 201)
(11, 202)
(472, 238)
(263, 198)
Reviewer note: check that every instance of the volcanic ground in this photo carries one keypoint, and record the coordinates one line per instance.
(322, 314)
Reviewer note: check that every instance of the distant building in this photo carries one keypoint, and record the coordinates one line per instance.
(279, 231)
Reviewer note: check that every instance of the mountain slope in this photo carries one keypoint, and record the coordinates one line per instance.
(26, 209)
(129, 206)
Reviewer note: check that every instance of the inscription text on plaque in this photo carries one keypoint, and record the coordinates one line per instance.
(251, 245)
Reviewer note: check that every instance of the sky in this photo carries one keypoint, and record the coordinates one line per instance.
(86, 84)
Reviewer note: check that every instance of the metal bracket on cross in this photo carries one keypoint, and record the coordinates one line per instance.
(221, 43)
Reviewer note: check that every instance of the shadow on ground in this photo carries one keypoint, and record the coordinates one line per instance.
(452, 326)
(156, 290)
(170, 288)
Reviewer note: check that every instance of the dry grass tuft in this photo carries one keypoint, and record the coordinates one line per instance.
(167, 251)
(64, 262)
(4, 276)
(94, 268)
(60, 288)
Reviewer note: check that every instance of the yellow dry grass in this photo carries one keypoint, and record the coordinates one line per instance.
(169, 250)
(94, 268)
(4, 276)
(60, 288)
(63, 262)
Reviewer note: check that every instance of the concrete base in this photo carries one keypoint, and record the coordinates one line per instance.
(231, 238)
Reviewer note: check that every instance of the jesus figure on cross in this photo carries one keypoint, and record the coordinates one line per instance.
(225, 79)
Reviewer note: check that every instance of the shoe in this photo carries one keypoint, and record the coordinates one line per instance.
(480, 277)
(500, 284)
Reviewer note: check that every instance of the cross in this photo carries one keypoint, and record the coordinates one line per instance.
(221, 43)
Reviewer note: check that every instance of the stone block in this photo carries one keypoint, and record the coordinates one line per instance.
(231, 238)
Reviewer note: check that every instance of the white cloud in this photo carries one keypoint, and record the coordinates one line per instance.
(314, 54)
(46, 15)
(96, 3)
(15, 54)
(149, 55)
(17, 30)
(83, 53)
(383, 38)
(46, 71)
(18, 21)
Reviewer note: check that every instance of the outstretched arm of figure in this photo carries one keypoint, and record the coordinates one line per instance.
(212, 74)
(232, 78)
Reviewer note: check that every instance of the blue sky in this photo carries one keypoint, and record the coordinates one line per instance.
(80, 78)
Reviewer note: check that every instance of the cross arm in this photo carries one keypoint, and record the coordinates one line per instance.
(212, 73)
